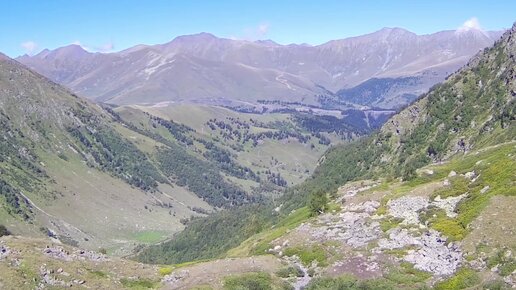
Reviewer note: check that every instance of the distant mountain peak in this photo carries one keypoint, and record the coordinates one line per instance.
(72, 51)
(394, 30)
(203, 36)
(4, 57)
(267, 42)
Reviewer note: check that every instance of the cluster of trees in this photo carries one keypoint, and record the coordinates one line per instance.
(14, 203)
(373, 90)
(276, 178)
(179, 131)
(113, 153)
(347, 127)
(4, 231)
(240, 132)
(227, 163)
(209, 237)
(201, 177)
(16, 150)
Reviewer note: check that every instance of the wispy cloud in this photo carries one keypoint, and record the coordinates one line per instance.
(470, 24)
(263, 29)
(29, 47)
(254, 33)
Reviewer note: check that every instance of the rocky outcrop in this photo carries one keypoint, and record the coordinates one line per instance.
(4, 251)
(448, 204)
(435, 255)
(61, 254)
(356, 229)
(407, 208)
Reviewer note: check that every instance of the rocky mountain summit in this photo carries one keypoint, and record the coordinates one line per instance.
(205, 68)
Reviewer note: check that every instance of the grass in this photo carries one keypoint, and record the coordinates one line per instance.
(407, 275)
(289, 272)
(255, 281)
(259, 244)
(163, 271)
(464, 278)
(450, 228)
(138, 283)
(492, 171)
(149, 237)
(98, 273)
(389, 223)
(506, 264)
(307, 255)
(458, 186)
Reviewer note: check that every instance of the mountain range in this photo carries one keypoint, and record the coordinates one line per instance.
(207, 69)
(426, 200)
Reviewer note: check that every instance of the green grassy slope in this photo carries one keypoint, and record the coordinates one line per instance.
(69, 169)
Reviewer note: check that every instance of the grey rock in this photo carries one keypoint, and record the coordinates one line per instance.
(435, 256)
(448, 204)
(407, 208)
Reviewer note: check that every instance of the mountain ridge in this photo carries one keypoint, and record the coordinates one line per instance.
(247, 71)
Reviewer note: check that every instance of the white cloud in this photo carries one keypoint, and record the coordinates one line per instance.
(470, 24)
(29, 47)
(263, 29)
(255, 33)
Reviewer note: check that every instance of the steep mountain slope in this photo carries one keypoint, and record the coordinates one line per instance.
(454, 151)
(213, 70)
(64, 165)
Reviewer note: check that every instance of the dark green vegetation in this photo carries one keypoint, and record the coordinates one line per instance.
(373, 90)
(463, 279)
(138, 283)
(199, 173)
(318, 202)
(290, 271)
(349, 283)
(208, 237)
(308, 255)
(4, 231)
(253, 281)
(201, 177)
(402, 277)
(474, 108)
(112, 153)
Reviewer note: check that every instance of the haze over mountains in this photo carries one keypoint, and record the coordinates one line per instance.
(207, 69)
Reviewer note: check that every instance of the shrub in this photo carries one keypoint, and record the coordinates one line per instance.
(318, 203)
(62, 156)
(495, 285)
(251, 281)
(290, 271)
(308, 254)
(349, 283)
(165, 271)
(450, 228)
(4, 231)
(138, 283)
(464, 278)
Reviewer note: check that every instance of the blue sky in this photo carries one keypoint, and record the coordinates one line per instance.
(109, 25)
